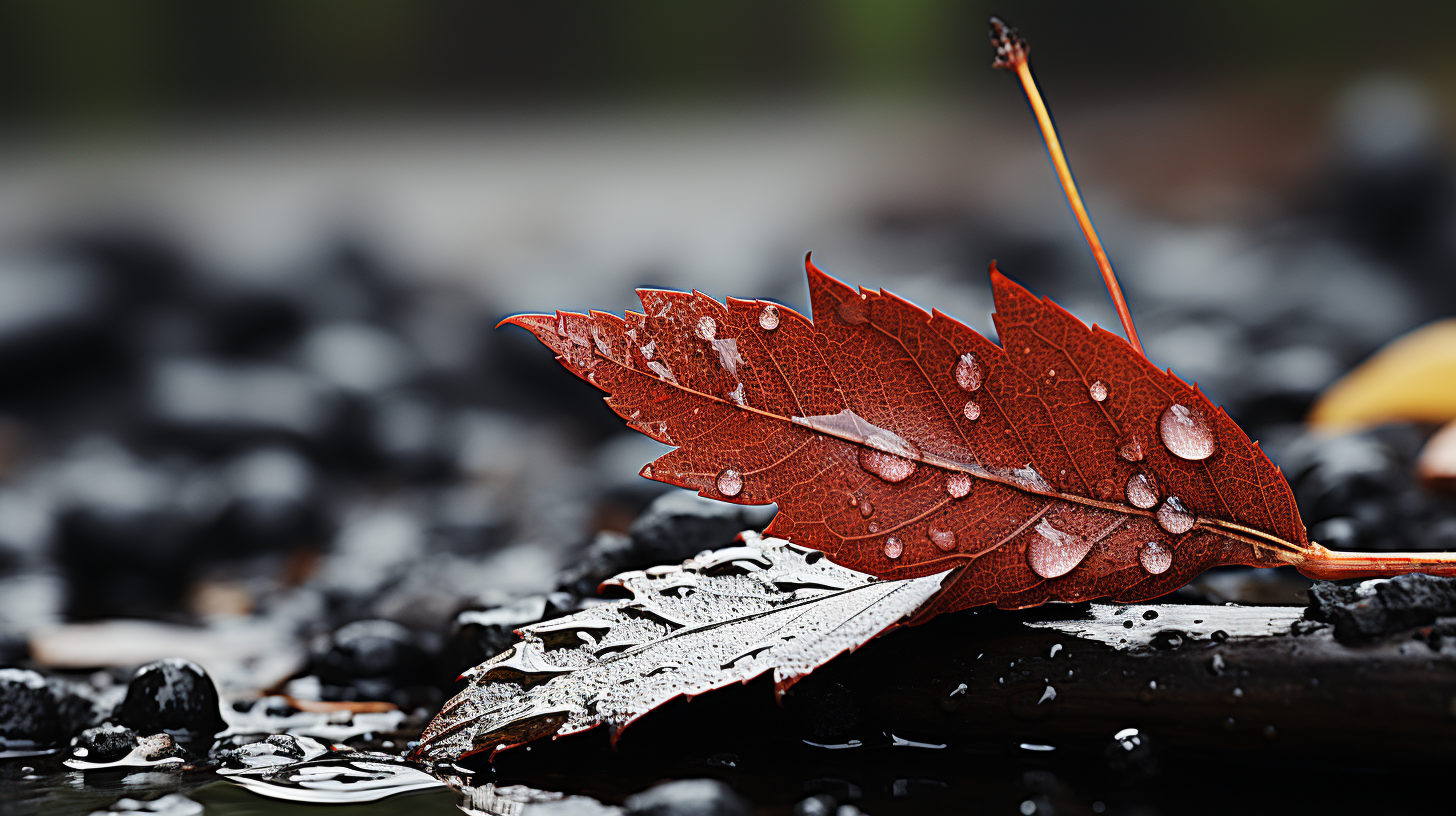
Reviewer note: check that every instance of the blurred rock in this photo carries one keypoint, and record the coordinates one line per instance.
(215, 401)
(689, 797)
(122, 531)
(357, 356)
(171, 695)
(269, 505)
(1364, 484)
(369, 660)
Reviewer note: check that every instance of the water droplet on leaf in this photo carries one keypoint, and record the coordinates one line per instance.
(1155, 558)
(866, 508)
(730, 482)
(1130, 448)
(887, 466)
(942, 536)
(1106, 489)
(707, 328)
(1054, 552)
(1098, 390)
(958, 485)
(1142, 491)
(893, 547)
(1174, 516)
(972, 410)
(768, 319)
(968, 372)
(1186, 432)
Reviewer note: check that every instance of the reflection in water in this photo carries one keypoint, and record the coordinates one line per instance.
(338, 777)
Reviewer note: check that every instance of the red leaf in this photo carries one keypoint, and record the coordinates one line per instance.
(1060, 465)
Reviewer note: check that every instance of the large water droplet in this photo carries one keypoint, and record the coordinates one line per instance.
(941, 536)
(1054, 552)
(1097, 390)
(707, 328)
(893, 547)
(972, 410)
(958, 485)
(1130, 448)
(1155, 558)
(768, 319)
(887, 466)
(1174, 516)
(866, 508)
(1186, 432)
(1142, 491)
(968, 372)
(730, 482)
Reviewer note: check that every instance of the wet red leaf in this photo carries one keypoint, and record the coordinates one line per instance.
(1059, 465)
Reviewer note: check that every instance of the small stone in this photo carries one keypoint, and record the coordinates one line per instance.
(105, 742)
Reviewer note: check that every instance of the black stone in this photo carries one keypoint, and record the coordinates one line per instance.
(1376, 608)
(689, 797)
(105, 742)
(171, 695)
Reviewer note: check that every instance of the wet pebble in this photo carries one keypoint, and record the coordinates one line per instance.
(171, 695)
(104, 743)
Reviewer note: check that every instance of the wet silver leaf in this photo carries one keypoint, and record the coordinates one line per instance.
(723, 617)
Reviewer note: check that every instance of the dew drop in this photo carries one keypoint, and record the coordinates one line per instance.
(854, 501)
(874, 528)
(1186, 432)
(972, 410)
(1174, 516)
(730, 482)
(1054, 552)
(1106, 489)
(707, 328)
(893, 547)
(768, 319)
(1155, 558)
(866, 508)
(968, 372)
(1129, 447)
(958, 485)
(1142, 491)
(1097, 390)
(887, 466)
(942, 536)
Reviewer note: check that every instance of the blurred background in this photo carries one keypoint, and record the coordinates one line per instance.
(252, 255)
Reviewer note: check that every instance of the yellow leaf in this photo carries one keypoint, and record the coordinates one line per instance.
(1412, 378)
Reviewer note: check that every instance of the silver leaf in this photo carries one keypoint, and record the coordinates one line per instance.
(722, 617)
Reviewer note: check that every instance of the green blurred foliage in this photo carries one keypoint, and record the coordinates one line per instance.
(88, 59)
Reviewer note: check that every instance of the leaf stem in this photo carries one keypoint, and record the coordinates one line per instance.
(1012, 53)
(1331, 565)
